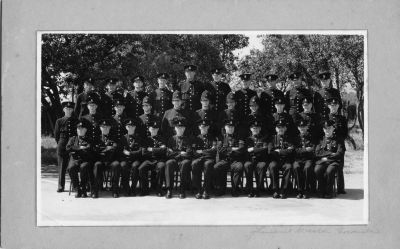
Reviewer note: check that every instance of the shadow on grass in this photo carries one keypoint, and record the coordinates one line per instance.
(48, 156)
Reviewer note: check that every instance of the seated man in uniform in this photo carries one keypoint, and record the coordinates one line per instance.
(205, 153)
(329, 153)
(131, 158)
(154, 159)
(282, 155)
(180, 154)
(80, 148)
(105, 158)
(257, 148)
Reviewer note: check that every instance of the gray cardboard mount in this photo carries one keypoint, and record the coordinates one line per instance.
(21, 21)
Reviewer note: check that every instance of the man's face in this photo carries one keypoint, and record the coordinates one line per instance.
(296, 82)
(328, 131)
(254, 108)
(303, 130)
(92, 108)
(205, 104)
(190, 75)
(325, 83)
(272, 83)
(280, 130)
(180, 130)
(105, 129)
(81, 131)
(231, 105)
(255, 130)
(87, 86)
(279, 107)
(147, 108)
(177, 103)
(333, 108)
(216, 77)
(229, 129)
(153, 131)
(131, 129)
(111, 87)
(161, 82)
(119, 109)
(307, 107)
(204, 129)
(246, 83)
(138, 85)
(68, 111)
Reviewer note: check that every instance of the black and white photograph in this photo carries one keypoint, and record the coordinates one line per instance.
(168, 128)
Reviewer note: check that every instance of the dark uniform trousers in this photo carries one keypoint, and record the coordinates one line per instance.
(333, 150)
(281, 161)
(130, 169)
(81, 161)
(256, 163)
(205, 162)
(303, 171)
(179, 161)
(64, 129)
(98, 169)
(220, 172)
(153, 161)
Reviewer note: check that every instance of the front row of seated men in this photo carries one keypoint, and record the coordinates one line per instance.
(303, 157)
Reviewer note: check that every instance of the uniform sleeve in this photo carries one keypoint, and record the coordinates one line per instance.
(57, 130)
(70, 145)
(338, 155)
(318, 102)
(77, 109)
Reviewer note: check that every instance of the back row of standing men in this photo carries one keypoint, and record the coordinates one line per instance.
(194, 101)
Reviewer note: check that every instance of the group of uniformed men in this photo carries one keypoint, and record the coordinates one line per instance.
(204, 128)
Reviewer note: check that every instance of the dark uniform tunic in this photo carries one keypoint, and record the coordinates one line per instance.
(162, 98)
(64, 129)
(256, 161)
(81, 102)
(291, 128)
(282, 159)
(210, 115)
(107, 99)
(267, 98)
(238, 117)
(94, 128)
(81, 161)
(267, 121)
(219, 90)
(243, 97)
(303, 166)
(167, 123)
(118, 127)
(204, 161)
(333, 149)
(134, 144)
(321, 101)
(314, 120)
(191, 93)
(294, 99)
(229, 159)
(106, 158)
(145, 120)
(179, 161)
(134, 100)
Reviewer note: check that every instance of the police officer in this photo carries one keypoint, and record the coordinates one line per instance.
(162, 96)
(205, 152)
(180, 148)
(257, 148)
(177, 111)
(218, 89)
(281, 114)
(154, 156)
(206, 112)
(191, 89)
(326, 93)
(244, 95)
(232, 155)
(329, 153)
(64, 129)
(282, 156)
(105, 158)
(267, 121)
(132, 145)
(81, 100)
(80, 147)
(134, 98)
(118, 126)
(109, 98)
(232, 113)
(341, 130)
(303, 166)
(93, 117)
(147, 116)
(270, 93)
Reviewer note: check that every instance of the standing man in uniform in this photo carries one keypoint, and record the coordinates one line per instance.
(109, 97)
(80, 147)
(162, 96)
(191, 89)
(64, 129)
(134, 98)
(244, 95)
(81, 100)
(218, 89)
(205, 153)
(118, 126)
(271, 93)
(93, 118)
